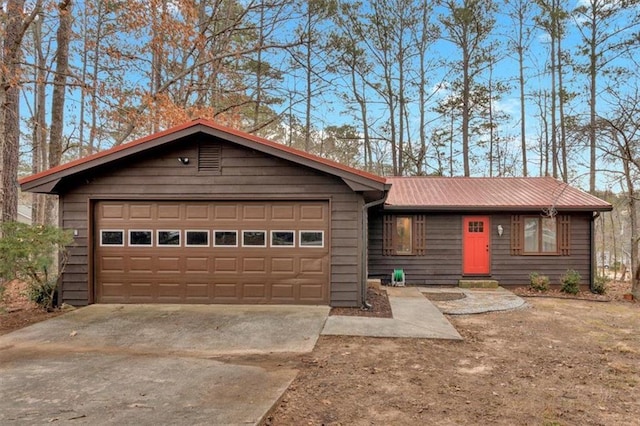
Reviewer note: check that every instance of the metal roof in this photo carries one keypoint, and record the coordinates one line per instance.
(481, 193)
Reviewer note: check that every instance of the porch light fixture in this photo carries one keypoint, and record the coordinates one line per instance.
(183, 160)
(500, 230)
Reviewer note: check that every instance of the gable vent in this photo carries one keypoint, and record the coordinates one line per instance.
(209, 157)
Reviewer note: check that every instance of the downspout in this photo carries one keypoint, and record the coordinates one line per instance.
(365, 247)
(594, 260)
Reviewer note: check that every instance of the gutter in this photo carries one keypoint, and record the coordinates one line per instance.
(364, 255)
(594, 260)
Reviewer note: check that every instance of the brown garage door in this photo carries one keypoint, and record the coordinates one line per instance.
(212, 252)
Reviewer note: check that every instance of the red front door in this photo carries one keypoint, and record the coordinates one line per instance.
(475, 250)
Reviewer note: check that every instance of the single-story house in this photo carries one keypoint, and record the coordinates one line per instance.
(202, 213)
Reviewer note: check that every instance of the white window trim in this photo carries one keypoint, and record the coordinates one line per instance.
(213, 239)
(310, 247)
(186, 243)
(113, 230)
(282, 230)
(168, 245)
(255, 230)
(140, 245)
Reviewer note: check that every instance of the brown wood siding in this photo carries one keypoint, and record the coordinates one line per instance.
(245, 175)
(442, 264)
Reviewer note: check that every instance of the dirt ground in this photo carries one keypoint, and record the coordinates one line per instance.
(557, 362)
(16, 311)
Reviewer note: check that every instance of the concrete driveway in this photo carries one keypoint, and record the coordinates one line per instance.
(154, 364)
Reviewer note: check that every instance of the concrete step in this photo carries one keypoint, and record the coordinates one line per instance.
(478, 284)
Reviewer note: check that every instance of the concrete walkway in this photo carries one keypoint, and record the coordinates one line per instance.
(413, 316)
(476, 301)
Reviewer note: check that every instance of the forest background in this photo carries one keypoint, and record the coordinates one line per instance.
(395, 87)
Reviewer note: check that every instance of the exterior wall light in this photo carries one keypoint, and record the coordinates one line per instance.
(500, 230)
(183, 160)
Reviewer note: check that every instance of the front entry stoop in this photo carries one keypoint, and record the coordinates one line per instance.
(478, 284)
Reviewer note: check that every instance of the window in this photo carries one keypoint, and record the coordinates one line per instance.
(312, 239)
(225, 239)
(404, 235)
(111, 237)
(540, 235)
(140, 238)
(169, 238)
(282, 238)
(196, 238)
(254, 238)
(476, 226)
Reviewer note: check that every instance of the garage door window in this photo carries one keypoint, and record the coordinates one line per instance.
(225, 239)
(111, 237)
(311, 239)
(254, 238)
(197, 238)
(140, 238)
(282, 238)
(168, 238)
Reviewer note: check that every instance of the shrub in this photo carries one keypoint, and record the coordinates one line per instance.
(570, 282)
(600, 284)
(28, 253)
(538, 282)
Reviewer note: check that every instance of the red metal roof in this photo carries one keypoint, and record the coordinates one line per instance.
(460, 193)
(207, 124)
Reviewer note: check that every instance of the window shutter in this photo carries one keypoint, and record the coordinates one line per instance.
(420, 235)
(209, 157)
(565, 235)
(387, 235)
(516, 235)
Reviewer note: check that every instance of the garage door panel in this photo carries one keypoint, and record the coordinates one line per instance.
(208, 273)
(281, 265)
(313, 213)
(141, 264)
(254, 290)
(313, 265)
(168, 212)
(112, 263)
(311, 291)
(139, 290)
(283, 213)
(169, 265)
(198, 292)
(283, 292)
(197, 265)
(226, 213)
(225, 264)
(113, 211)
(197, 212)
(170, 292)
(253, 265)
(141, 212)
(254, 212)
(225, 290)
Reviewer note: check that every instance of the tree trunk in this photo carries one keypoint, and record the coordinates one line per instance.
(39, 143)
(58, 97)
(562, 98)
(10, 87)
(593, 63)
(523, 115)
